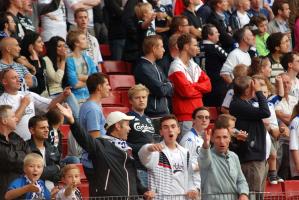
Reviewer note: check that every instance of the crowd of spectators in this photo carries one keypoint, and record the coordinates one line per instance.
(240, 57)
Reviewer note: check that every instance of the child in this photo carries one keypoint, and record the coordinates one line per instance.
(272, 127)
(146, 20)
(294, 143)
(29, 186)
(261, 34)
(239, 70)
(71, 179)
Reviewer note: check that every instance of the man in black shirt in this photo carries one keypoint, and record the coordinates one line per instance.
(194, 19)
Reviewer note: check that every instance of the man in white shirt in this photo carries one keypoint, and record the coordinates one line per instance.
(25, 103)
(82, 19)
(72, 5)
(290, 63)
(240, 55)
(169, 168)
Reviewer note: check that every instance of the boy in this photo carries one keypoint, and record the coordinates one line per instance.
(71, 179)
(169, 167)
(261, 34)
(29, 186)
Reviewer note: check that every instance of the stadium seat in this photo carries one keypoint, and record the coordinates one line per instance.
(116, 67)
(115, 99)
(107, 110)
(105, 51)
(121, 82)
(213, 113)
(273, 192)
(290, 187)
(65, 130)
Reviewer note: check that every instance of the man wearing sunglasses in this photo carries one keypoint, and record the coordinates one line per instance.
(193, 139)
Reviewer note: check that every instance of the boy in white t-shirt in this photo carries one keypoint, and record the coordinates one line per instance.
(168, 163)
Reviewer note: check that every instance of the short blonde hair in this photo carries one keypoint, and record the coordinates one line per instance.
(137, 88)
(67, 168)
(73, 37)
(141, 8)
(31, 157)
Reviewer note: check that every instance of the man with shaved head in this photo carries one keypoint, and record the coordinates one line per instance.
(10, 50)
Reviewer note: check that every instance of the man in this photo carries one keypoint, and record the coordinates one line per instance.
(168, 164)
(256, 10)
(111, 156)
(290, 63)
(13, 149)
(240, 16)
(142, 129)
(39, 129)
(240, 55)
(218, 19)
(93, 50)
(92, 119)
(73, 5)
(10, 50)
(215, 56)
(190, 82)
(7, 25)
(148, 73)
(220, 168)
(281, 11)
(195, 21)
(284, 110)
(24, 103)
(252, 152)
(79, 65)
(193, 140)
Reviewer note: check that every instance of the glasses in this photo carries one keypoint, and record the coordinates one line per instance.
(201, 117)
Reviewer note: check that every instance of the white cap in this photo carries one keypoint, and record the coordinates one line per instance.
(115, 117)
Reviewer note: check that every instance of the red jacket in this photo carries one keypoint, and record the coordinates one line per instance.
(190, 83)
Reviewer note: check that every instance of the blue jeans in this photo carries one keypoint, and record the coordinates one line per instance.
(117, 48)
(72, 102)
(143, 177)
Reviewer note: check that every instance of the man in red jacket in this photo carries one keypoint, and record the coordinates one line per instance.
(189, 80)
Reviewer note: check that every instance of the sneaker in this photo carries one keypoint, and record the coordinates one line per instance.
(273, 180)
(279, 179)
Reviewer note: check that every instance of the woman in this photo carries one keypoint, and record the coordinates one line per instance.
(55, 70)
(32, 48)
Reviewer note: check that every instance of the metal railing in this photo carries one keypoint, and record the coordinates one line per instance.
(252, 196)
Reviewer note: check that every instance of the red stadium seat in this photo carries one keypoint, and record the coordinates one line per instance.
(108, 110)
(116, 67)
(273, 192)
(121, 82)
(213, 113)
(105, 51)
(291, 189)
(65, 130)
(115, 99)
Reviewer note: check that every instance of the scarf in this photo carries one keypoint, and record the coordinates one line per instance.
(35, 195)
(119, 143)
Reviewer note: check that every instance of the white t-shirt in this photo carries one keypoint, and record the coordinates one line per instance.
(237, 56)
(295, 88)
(244, 19)
(36, 102)
(294, 143)
(54, 27)
(94, 49)
(287, 106)
(177, 162)
(70, 13)
(228, 98)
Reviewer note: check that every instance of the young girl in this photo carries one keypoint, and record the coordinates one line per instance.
(272, 127)
(71, 179)
(260, 66)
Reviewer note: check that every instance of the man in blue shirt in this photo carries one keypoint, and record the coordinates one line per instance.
(92, 119)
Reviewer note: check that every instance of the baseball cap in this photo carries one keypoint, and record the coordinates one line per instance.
(115, 117)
